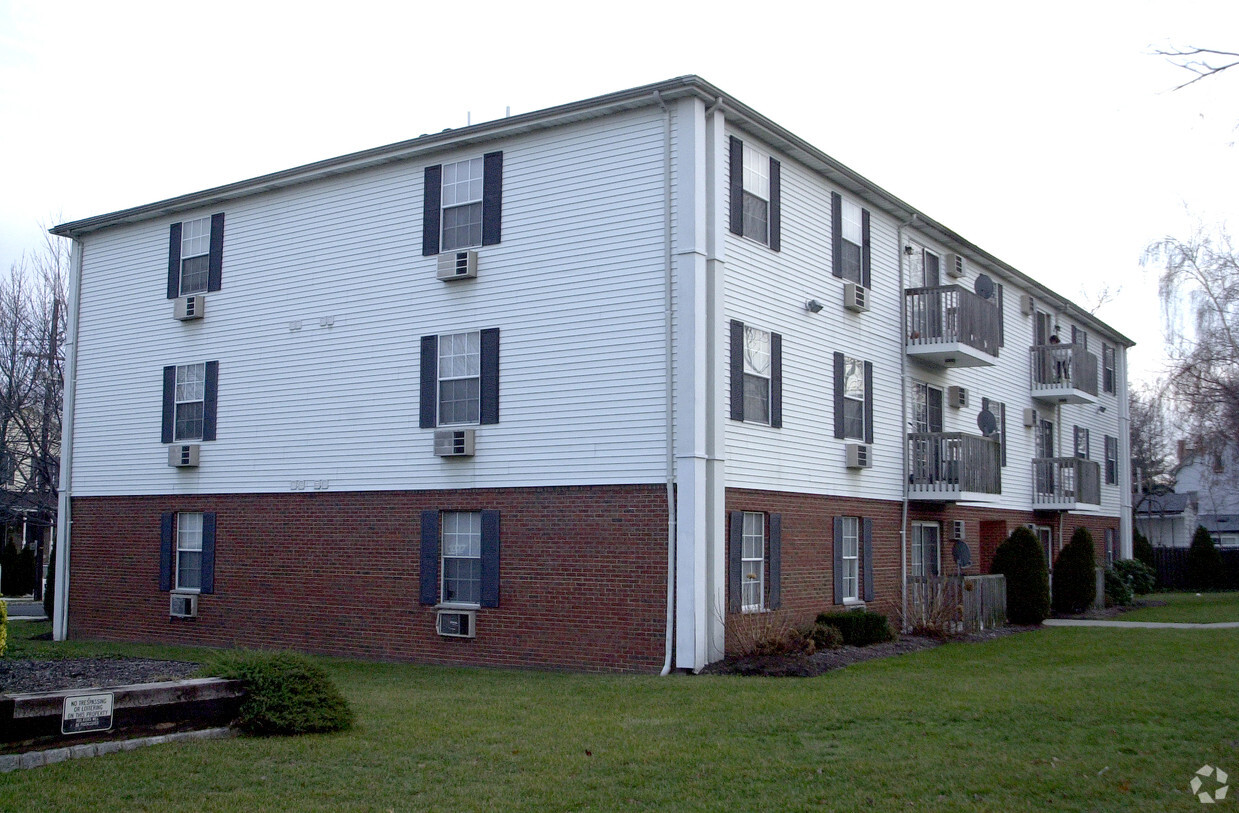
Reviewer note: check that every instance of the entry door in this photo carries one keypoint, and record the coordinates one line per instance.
(932, 278)
(1044, 328)
(926, 549)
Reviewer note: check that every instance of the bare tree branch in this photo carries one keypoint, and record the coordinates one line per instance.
(1197, 61)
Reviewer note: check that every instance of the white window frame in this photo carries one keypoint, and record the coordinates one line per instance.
(753, 568)
(188, 542)
(457, 192)
(189, 390)
(460, 540)
(1109, 381)
(917, 550)
(195, 243)
(1226, 540)
(852, 226)
(757, 370)
(756, 184)
(850, 556)
(451, 372)
(1045, 538)
(853, 369)
(1082, 434)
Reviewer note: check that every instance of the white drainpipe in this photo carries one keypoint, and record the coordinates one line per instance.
(668, 373)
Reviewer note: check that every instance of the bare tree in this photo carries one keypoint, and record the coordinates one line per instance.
(1199, 288)
(1150, 445)
(1203, 62)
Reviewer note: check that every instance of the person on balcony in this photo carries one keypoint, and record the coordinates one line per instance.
(1061, 353)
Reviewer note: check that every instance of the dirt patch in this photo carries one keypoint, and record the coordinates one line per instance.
(830, 659)
(19, 676)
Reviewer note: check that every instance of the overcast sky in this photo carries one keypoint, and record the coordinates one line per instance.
(1051, 139)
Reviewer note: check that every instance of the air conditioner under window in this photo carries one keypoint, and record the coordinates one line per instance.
(458, 265)
(858, 456)
(959, 529)
(188, 308)
(183, 456)
(456, 623)
(184, 605)
(954, 265)
(454, 442)
(855, 297)
(1030, 417)
(957, 397)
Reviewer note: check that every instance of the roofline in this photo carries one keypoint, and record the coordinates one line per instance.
(738, 114)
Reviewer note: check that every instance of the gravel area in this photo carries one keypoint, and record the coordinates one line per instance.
(19, 676)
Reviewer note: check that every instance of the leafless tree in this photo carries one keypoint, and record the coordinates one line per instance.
(1199, 288)
(1203, 62)
(1150, 445)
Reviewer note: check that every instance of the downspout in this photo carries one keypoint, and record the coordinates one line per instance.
(668, 282)
(903, 417)
(64, 523)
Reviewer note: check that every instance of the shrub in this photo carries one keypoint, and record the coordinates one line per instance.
(767, 634)
(1204, 563)
(285, 694)
(4, 627)
(1022, 561)
(1139, 576)
(1142, 549)
(1075, 574)
(934, 610)
(827, 636)
(1118, 588)
(8, 570)
(49, 589)
(859, 627)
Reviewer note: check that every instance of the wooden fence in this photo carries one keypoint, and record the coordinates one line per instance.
(954, 604)
(1172, 569)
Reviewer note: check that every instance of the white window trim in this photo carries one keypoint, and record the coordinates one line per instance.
(859, 366)
(760, 606)
(443, 557)
(191, 234)
(444, 206)
(176, 558)
(750, 371)
(917, 550)
(848, 206)
(851, 534)
(177, 401)
(440, 378)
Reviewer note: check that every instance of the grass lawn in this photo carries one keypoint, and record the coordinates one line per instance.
(1066, 718)
(1192, 608)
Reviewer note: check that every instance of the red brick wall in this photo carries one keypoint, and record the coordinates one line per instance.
(582, 575)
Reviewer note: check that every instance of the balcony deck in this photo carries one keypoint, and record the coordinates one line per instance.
(953, 467)
(1063, 374)
(950, 326)
(1066, 484)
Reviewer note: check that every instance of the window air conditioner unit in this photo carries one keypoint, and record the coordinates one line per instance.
(454, 442)
(957, 397)
(456, 623)
(960, 530)
(858, 456)
(183, 456)
(954, 265)
(188, 308)
(184, 605)
(1030, 417)
(855, 297)
(458, 265)
(1026, 304)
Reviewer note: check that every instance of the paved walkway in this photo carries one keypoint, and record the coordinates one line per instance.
(24, 609)
(1145, 625)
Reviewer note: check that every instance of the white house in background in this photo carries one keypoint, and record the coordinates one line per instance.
(1167, 520)
(1213, 476)
(575, 388)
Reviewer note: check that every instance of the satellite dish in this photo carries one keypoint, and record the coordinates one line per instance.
(984, 286)
(963, 557)
(987, 422)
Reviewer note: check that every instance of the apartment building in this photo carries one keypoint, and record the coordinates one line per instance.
(568, 389)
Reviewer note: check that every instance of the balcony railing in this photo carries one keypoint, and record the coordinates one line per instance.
(947, 464)
(950, 314)
(1063, 367)
(1065, 482)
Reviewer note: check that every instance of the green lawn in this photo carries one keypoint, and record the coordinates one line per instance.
(1192, 608)
(1068, 718)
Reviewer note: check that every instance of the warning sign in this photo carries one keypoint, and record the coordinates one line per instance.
(86, 712)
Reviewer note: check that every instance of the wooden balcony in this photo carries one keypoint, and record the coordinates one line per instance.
(950, 326)
(1066, 484)
(953, 467)
(1063, 374)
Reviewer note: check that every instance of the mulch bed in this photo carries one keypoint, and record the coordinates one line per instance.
(20, 676)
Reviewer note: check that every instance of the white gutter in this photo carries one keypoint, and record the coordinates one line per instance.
(903, 416)
(669, 371)
(64, 522)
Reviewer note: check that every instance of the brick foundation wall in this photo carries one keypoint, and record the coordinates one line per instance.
(582, 575)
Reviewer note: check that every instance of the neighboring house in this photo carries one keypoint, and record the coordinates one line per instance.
(1213, 474)
(570, 389)
(1223, 527)
(1167, 520)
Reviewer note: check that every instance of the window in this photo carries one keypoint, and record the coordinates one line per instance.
(8, 468)
(1107, 368)
(853, 242)
(756, 375)
(1227, 540)
(930, 269)
(1111, 551)
(462, 204)
(853, 398)
(926, 553)
(189, 552)
(752, 563)
(195, 256)
(755, 198)
(850, 557)
(460, 382)
(1081, 442)
(460, 379)
(190, 401)
(926, 407)
(1112, 460)
(992, 421)
(1045, 535)
(462, 557)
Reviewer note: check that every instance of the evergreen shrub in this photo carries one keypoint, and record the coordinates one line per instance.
(1075, 574)
(1139, 576)
(859, 627)
(1142, 549)
(286, 693)
(1118, 588)
(1021, 560)
(1204, 563)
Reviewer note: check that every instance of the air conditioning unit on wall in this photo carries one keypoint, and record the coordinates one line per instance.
(957, 397)
(1030, 417)
(458, 265)
(954, 265)
(456, 623)
(454, 442)
(959, 530)
(183, 456)
(188, 308)
(855, 297)
(184, 605)
(858, 456)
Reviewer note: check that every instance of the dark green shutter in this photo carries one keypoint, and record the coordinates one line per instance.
(837, 544)
(776, 205)
(490, 559)
(208, 553)
(734, 555)
(776, 380)
(866, 538)
(836, 234)
(428, 399)
(210, 400)
(838, 395)
(215, 261)
(776, 561)
(737, 370)
(736, 185)
(169, 402)
(174, 261)
(166, 534)
(868, 402)
(492, 198)
(429, 568)
(432, 197)
(489, 378)
(864, 250)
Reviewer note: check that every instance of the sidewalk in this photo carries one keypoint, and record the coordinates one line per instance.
(1147, 625)
(22, 608)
